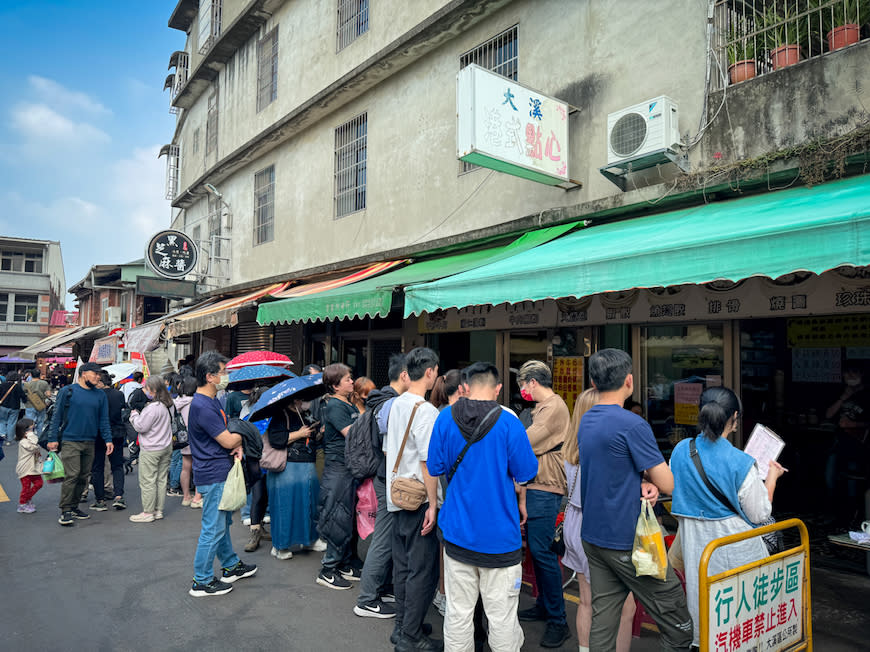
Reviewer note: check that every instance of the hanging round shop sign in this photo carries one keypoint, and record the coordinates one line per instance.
(171, 253)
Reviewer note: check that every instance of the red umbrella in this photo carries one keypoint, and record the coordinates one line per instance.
(252, 358)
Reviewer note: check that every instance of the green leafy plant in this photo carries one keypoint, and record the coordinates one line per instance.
(740, 47)
(842, 12)
(782, 27)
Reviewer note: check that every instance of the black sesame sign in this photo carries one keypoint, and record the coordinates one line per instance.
(171, 254)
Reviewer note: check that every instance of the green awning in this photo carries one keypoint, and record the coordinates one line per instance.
(373, 297)
(813, 229)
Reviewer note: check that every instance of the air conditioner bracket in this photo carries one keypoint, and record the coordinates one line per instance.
(618, 172)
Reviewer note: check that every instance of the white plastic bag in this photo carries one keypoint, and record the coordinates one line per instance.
(234, 495)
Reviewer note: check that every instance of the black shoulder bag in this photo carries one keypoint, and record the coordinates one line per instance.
(475, 437)
(773, 541)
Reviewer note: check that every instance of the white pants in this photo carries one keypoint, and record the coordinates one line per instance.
(499, 588)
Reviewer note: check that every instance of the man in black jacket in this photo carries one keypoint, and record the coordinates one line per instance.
(116, 458)
(378, 565)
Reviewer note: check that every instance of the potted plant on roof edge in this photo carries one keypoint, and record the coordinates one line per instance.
(845, 22)
(741, 57)
(783, 35)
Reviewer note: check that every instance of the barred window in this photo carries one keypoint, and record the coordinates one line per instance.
(350, 166)
(214, 225)
(211, 123)
(267, 69)
(264, 205)
(4, 306)
(757, 37)
(353, 21)
(499, 54)
(173, 163)
(210, 13)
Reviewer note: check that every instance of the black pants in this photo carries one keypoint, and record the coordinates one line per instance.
(415, 570)
(259, 494)
(116, 461)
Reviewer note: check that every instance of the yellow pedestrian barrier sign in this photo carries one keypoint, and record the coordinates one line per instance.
(763, 606)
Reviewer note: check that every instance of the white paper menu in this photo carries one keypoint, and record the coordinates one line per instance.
(764, 445)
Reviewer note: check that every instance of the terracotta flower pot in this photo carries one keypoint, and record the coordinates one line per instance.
(785, 55)
(844, 35)
(741, 71)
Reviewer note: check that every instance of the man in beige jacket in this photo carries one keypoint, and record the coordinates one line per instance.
(550, 419)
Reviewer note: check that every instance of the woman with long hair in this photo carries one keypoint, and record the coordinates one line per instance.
(734, 474)
(154, 426)
(362, 386)
(447, 389)
(186, 390)
(575, 557)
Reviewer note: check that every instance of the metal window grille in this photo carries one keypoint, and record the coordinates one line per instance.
(211, 123)
(350, 166)
(214, 224)
(353, 21)
(182, 70)
(499, 54)
(762, 36)
(173, 161)
(26, 307)
(210, 12)
(264, 205)
(4, 306)
(267, 69)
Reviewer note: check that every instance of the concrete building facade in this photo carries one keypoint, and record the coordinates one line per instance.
(32, 286)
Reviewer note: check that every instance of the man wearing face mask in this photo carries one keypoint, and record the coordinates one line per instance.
(213, 448)
(82, 415)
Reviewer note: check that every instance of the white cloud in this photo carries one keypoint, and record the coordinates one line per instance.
(41, 123)
(54, 94)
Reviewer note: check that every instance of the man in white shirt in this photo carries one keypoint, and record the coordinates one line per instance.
(415, 544)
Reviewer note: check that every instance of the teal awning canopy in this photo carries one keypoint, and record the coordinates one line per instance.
(813, 229)
(373, 297)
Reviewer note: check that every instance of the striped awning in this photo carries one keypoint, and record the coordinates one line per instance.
(322, 286)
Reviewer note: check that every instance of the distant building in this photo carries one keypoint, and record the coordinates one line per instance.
(32, 286)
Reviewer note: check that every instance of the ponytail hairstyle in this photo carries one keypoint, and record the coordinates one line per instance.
(718, 405)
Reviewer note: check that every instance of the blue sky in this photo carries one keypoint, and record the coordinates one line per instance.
(82, 118)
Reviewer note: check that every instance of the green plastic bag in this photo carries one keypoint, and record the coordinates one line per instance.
(57, 474)
(234, 495)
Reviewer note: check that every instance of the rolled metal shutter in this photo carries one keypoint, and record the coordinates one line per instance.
(253, 337)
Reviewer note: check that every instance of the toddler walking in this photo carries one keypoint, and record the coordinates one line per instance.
(29, 467)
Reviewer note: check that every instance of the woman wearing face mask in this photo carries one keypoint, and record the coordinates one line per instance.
(155, 440)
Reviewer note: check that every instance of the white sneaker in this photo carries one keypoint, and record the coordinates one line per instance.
(267, 519)
(317, 546)
(246, 521)
(158, 516)
(440, 602)
(142, 518)
(281, 554)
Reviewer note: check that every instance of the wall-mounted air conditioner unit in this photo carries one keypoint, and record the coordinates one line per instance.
(112, 315)
(642, 129)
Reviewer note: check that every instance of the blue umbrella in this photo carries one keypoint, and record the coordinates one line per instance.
(275, 398)
(249, 376)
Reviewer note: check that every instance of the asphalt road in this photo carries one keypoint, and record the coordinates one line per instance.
(109, 584)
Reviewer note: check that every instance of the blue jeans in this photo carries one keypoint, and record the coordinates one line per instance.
(214, 537)
(38, 417)
(8, 419)
(175, 470)
(543, 507)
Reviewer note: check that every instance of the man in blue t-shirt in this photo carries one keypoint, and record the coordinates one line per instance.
(480, 520)
(620, 463)
(213, 449)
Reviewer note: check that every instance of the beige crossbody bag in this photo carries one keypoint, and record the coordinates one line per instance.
(406, 493)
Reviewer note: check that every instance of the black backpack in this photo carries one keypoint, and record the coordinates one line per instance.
(179, 430)
(360, 456)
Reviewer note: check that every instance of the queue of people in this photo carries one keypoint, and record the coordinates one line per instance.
(460, 483)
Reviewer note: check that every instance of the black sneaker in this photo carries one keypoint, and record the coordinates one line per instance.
(406, 644)
(215, 587)
(333, 580)
(119, 503)
(237, 572)
(172, 491)
(99, 506)
(555, 635)
(79, 514)
(396, 636)
(66, 519)
(351, 574)
(376, 609)
(533, 613)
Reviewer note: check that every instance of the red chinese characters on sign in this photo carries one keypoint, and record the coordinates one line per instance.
(533, 141)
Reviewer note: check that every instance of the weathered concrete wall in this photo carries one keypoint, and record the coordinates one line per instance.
(599, 56)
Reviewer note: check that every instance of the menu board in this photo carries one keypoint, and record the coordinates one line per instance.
(568, 378)
(816, 365)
